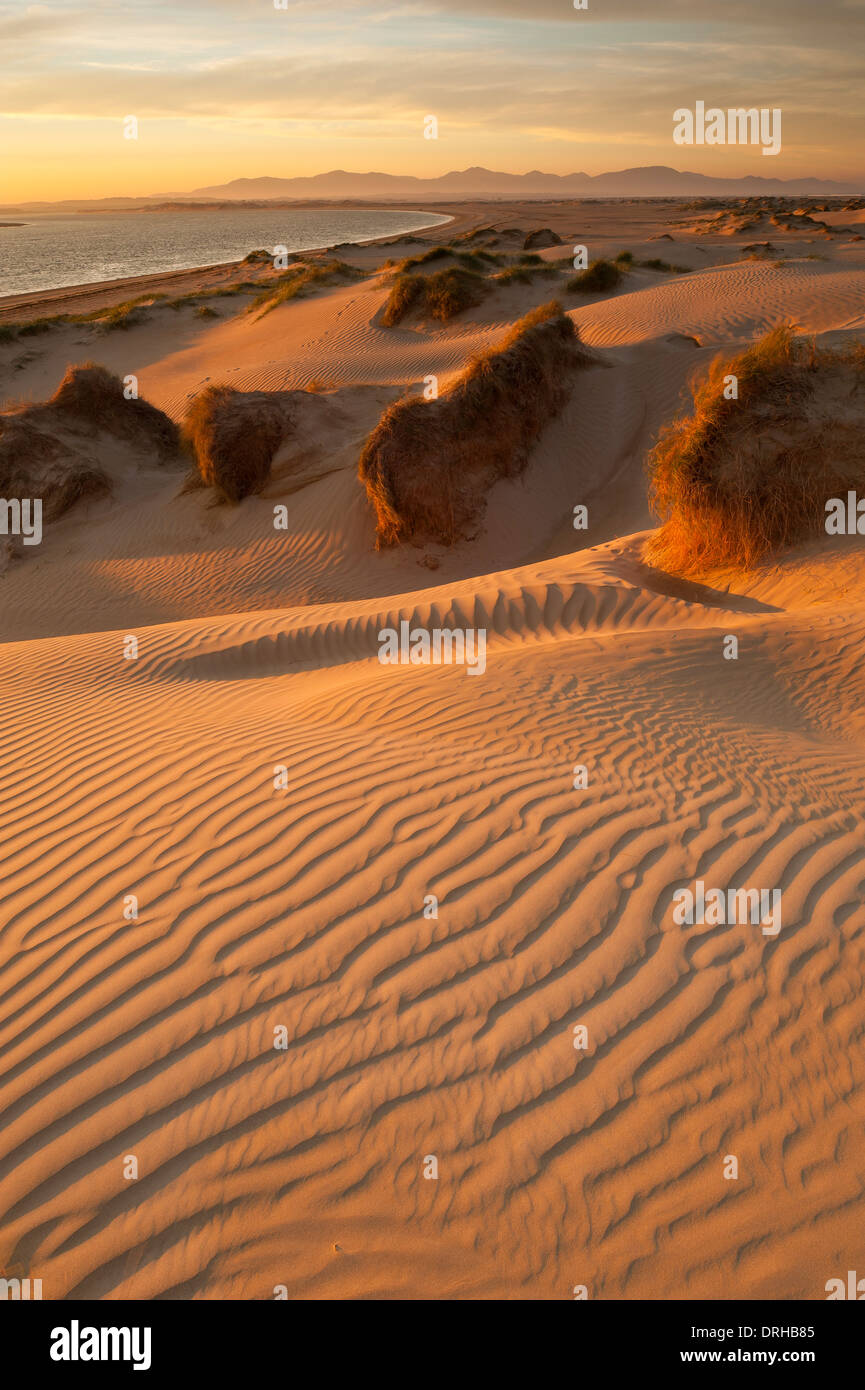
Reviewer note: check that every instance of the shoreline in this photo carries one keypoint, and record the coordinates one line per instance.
(121, 288)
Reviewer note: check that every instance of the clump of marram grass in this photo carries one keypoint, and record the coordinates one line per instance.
(626, 259)
(46, 449)
(120, 316)
(300, 278)
(599, 277)
(186, 301)
(472, 260)
(441, 296)
(524, 271)
(31, 328)
(434, 253)
(514, 275)
(129, 314)
(743, 478)
(429, 465)
(451, 292)
(233, 436)
(93, 397)
(657, 264)
(405, 295)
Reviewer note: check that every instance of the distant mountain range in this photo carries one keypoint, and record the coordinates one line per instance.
(657, 181)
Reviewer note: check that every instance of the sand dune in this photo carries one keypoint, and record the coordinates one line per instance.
(301, 906)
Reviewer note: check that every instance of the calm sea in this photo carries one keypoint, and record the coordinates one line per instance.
(80, 248)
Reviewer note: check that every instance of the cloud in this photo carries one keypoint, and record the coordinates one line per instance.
(536, 69)
(617, 90)
(783, 16)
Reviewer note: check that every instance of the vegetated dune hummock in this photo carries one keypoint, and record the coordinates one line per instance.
(599, 277)
(442, 295)
(429, 465)
(776, 431)
(51, 450)
(233, 436)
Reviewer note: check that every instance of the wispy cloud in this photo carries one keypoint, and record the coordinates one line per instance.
(496, 72)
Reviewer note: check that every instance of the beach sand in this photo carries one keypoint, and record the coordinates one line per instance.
(302, 906)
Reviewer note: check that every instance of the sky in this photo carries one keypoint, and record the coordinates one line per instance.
(224, 89)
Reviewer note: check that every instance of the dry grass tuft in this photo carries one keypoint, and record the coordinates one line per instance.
(429, 465)
(743, 478)
(440, 296)
(46, 448)
(406, 294)
(434, 253)
(524, 272)
(300, 278)
(233, 436)
(598, 278)
(93, 397)
(666, 266)
(451, 292)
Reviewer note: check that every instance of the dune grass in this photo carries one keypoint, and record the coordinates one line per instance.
(232, 436)
(657, 264)
(428, 465)
(129, 314)
(740, 479)
(524, 271)
(599, 277)
(298, 280)
(472, 259)
(452, 291)
(46, 447)
(627, 259)
(406, 294)
(441, 296)
(189, 301)
(95, 398)
(435, 253)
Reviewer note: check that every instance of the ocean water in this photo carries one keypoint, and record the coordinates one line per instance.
(81, 248)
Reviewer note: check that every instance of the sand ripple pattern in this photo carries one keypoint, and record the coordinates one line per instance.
(303, 908)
